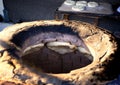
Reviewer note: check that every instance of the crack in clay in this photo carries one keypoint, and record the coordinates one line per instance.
(103, 55)
(90, 35)
(2, 52)
(11, 64)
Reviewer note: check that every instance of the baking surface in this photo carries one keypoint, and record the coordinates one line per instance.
(103, 8)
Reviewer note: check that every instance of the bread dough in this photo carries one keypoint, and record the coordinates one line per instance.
(61, 47)
(92, 4)
(81, 3)
(78, 8)
(69, 2)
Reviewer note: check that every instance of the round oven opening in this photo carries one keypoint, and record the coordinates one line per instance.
(52, 48)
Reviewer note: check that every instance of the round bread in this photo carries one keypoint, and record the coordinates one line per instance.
(78, 8)
(83, 50)
(81, 3)
(69, 2)
(33, 48)
(92, 4)
(61, 47)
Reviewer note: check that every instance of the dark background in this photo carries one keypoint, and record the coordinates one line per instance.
(29, 10)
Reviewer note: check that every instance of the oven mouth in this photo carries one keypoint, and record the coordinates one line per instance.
(52, 49)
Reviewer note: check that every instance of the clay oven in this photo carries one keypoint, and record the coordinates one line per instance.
(57, 53)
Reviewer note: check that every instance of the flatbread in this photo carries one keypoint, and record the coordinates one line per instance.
(92, 4)
(69, 2)
(81, 3)
(78, 8)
